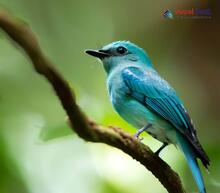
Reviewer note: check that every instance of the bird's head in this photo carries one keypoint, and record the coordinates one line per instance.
(120, 53)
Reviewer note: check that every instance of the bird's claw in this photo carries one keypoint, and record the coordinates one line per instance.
(141, 131)
(160, 149)
(138, 138)
(137, 135)
(157, 153)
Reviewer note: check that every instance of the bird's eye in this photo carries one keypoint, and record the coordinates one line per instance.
(121, 50)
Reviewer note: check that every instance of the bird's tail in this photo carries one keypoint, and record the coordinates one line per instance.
(192, 162)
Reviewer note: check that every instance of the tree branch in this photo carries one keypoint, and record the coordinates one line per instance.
(82, 125)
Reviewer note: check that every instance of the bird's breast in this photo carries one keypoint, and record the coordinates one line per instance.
(136, 113)
(129, 108)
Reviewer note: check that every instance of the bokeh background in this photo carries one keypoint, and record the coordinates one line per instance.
(39, 154)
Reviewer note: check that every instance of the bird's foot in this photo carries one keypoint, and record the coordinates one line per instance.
(137, 134)
(138, 138)
(161, 148)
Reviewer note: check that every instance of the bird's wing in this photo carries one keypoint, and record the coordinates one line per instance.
(156, 94)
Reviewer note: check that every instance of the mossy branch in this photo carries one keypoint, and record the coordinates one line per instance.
(81, 124)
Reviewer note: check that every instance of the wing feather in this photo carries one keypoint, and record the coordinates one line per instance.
(156, 94)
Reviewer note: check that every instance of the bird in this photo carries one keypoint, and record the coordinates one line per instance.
(148, 102)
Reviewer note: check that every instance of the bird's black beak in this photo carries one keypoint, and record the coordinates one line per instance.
(98, 53)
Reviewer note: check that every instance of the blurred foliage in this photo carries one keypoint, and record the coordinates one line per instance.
(10, 180)
(185, 52)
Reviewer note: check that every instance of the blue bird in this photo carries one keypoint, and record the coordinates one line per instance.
(149, 103)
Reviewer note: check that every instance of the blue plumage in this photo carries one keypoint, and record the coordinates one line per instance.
(193, 164)
(142, 97)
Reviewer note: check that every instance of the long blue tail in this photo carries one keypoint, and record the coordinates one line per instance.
(192, 162)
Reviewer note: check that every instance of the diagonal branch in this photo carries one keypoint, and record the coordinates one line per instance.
(82, 125)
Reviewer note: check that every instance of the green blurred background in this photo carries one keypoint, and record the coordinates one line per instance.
(39, 154)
